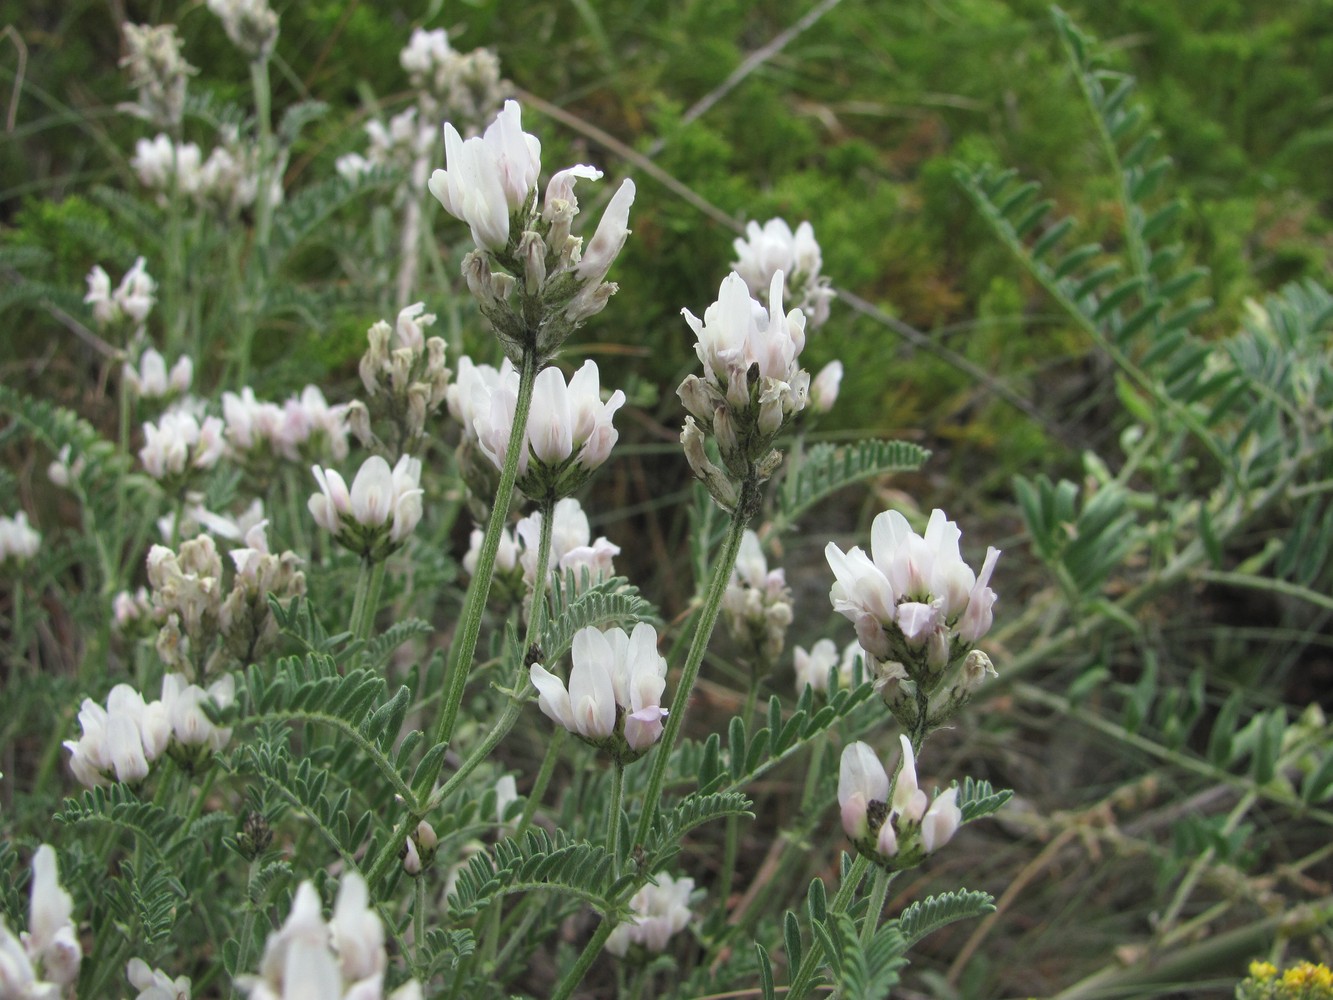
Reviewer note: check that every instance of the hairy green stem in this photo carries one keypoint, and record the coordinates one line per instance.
(247, 926)
(419, 921)
(369, 584)
(479, 589)
(258, 266)
(613, 816)
(878, 892)
(717, 586)
(543, 779)
(585, 960)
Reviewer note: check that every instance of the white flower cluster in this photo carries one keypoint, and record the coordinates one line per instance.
(898, 830)
(572, 548)
(190, 601)
(815, 668)
(752, 385)
(659, 911)
(121, 741)
(918, 610)
(757, 604)
(151, 380)
(614, 698)
(178, 444)
(915, 601)
(43, 962)
(251, 25)
(154, 984)
(406, 380)
(772, 248)
(490, 183)
(229, 178)
(65, 470)
(196, 520)
(403, 144)
(19, 541)
(304, 427)
(465, 87)
(378, 513)
(568, 434)
(128, 608)
(157, 71)
(343, 959)
(133, 298)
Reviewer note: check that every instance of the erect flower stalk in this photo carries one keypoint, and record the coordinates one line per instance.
(474, 603)
(746, 506)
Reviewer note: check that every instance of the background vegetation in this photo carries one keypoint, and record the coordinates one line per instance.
(1143, 848)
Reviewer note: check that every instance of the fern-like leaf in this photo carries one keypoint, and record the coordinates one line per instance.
(539, 861)
(826, 468)
(579, 603)
(928, 915)
(118, 806)
(976, 798)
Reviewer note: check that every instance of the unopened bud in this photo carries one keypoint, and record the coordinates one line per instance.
(824, 388)
(358, 422)
(532, 251)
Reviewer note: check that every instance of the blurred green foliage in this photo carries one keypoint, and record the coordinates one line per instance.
(854, 125)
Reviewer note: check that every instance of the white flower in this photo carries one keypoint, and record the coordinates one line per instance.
(488, 178)
(506, 793)
(133, 297)
(358, 935)
(157, 71)
(43, 962)
(905, 600)
(892, 818)
(659, 911)
(105, 308)
(136, 292)
(128, 608)
(815, 667)
(52, 940)
(941, 821)
(736, 332)
(154, 984)
(824, 387)
(381, 495)
(908, 799)
(470, 392)
(757, 602)
(19, 541)
(160, 163)
(251, 25)
(572, 547)
(62, 472)
(613, 675)
(600, 254)
(774, 247)
(341, 960)
(18, 979)
(333, 502)
(178, 442)
(386, 501)
(122, 739)
(189, 725)
(423, 52)
(566, 420)
(151, 380)
(862, 781)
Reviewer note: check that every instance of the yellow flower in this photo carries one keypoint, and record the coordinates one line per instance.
(1262, 970)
